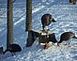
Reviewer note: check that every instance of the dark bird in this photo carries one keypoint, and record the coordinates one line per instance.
(66, 36)
(72, 1)
(46, 39)
(13, 48)
(46, 19)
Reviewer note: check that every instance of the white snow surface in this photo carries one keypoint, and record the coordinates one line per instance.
(66, 16)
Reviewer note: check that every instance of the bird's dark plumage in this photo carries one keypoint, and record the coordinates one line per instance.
(13, 48)
(46, 19)
(66, 36)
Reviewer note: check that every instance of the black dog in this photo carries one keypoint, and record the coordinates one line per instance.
(13, 48)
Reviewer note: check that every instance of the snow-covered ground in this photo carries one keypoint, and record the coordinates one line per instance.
(64, 13)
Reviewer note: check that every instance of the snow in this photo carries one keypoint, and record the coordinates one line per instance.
(37, 9)
(54, 53)
(19, 21)
(66, 16)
